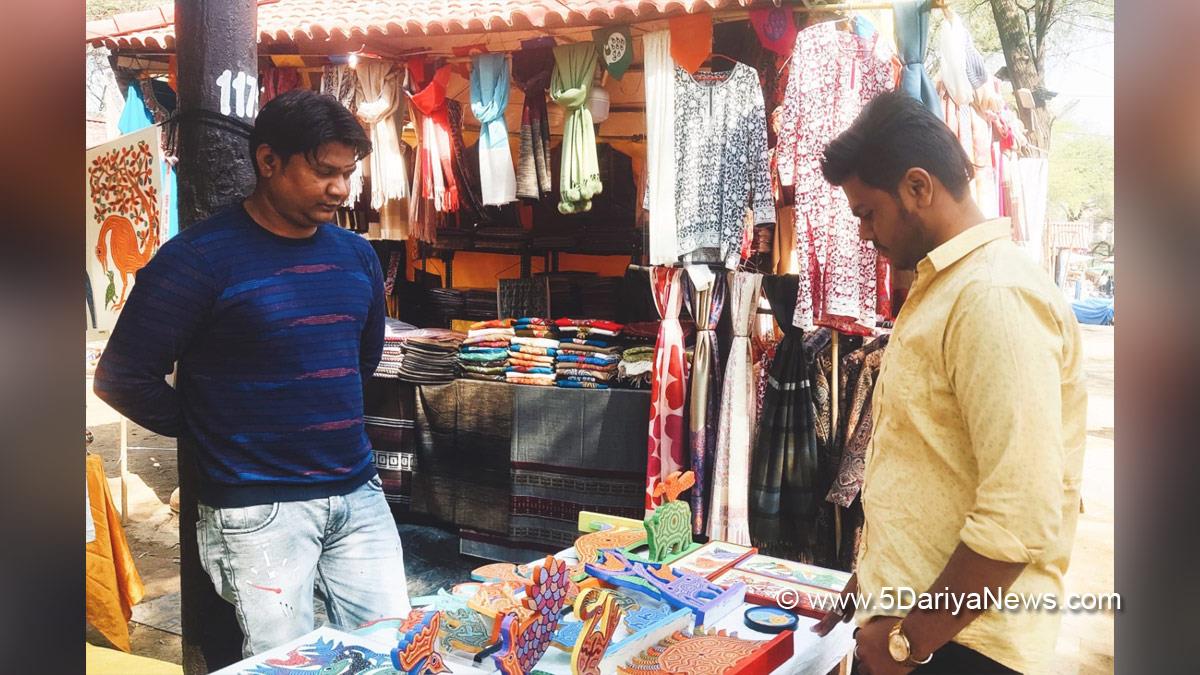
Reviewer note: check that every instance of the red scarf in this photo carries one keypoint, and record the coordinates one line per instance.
(435, 149)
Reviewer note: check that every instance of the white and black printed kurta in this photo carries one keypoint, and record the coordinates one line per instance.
(722, 166)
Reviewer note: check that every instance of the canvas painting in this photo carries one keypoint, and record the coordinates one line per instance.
(123, 211)
(325, 650)
(764, 590)
(712, 558)
(788, 570)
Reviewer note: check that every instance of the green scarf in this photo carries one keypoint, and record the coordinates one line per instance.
(579, 180)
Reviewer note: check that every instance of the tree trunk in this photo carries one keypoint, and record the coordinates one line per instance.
(1023, 69)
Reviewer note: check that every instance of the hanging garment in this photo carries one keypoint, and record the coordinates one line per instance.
(912, 41)
(379, 108)
(574, 66)
(783, 465)
(659, 198)
(667, 449)
(706, 301)
(952, 48)
(858, 386)
(837, 270)
(276, 81)
(531, 69)
(776, 28)
(435, 189)
(723, 165)
(341, 82)
(615, 47)
(728, 518)
(691, 39)
(113, 585)
(489, 98)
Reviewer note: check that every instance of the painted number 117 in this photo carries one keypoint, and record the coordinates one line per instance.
(239, 94)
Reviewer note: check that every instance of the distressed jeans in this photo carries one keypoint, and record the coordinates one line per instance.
(267, 560)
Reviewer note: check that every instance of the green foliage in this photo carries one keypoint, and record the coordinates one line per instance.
(1081, 174)
(102, 9)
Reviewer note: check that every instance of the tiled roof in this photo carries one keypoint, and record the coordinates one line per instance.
(283, 21)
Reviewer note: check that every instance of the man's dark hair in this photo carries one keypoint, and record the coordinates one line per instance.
(300, 121)
(893, 134)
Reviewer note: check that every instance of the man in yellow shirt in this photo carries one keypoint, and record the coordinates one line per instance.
(973, 471)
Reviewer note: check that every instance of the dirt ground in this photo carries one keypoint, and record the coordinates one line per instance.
(1085, 643)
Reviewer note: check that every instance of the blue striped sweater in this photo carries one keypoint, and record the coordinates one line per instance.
(274, 337)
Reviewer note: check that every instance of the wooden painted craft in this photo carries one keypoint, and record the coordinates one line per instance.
(588, 546)
(645, 638)
(519, 576)
(789, 570)
(711, 559)
(416, 653)
(708, 601)
(711, 653)
(599, 613)
(590, 521)
(525, 640)
(669, 527)
(493, 600)
(763, 590)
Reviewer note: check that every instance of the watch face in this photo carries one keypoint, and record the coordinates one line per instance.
(898, 647)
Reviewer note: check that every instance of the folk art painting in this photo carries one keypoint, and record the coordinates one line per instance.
(124, 207)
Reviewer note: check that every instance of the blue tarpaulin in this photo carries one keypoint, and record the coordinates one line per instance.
(1094, 311)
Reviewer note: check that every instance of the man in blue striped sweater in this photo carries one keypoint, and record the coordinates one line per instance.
(275, 317)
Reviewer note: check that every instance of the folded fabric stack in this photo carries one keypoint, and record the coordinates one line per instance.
(484, 354)
(588, 353)
(394, 334)
(530, 358)
(636, 366)
(429, 359)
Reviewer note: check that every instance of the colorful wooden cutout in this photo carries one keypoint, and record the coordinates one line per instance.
(629, 647)
(708, 601)
(493, 600)
(669, 528)
(588, 546)
(417, 654)
(712, 558)
(788, 570)
(464, 630)
(600, 615)
(525, 641)
(764, 590)
(711, 653)
(518, 575)
(590, 521)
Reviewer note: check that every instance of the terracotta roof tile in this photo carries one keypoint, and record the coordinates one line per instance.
(289, 20)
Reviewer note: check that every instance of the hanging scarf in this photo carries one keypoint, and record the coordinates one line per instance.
(666, 451)
(341, 82)
(776, 28)
(579, 181)
(615, 47)
(277, 81)
(379, 107)
(729, 517)
(706, 302)
(531, 68)
(912, 41)
(435, 152)
(691, 40)
(489, 98)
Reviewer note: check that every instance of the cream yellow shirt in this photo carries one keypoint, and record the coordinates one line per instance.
(980, 421)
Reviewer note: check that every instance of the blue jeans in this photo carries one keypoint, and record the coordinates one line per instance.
(267, 559)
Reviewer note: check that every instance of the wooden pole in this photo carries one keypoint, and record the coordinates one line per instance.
(834, 386)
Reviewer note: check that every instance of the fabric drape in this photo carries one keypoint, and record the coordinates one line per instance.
(489, 98)
(341, 82)
(783, 465)
(667, 449)
(276, 81)
(435, 189)
(706, 301)
(729, 511)
(531, 69)
(691, 39)
(574, 66)
(113, 585)
(380, 109)
(912, 42)
(660, 147)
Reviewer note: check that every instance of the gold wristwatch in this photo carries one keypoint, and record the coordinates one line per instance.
(900, 649)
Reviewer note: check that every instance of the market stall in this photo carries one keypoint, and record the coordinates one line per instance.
(611, 260)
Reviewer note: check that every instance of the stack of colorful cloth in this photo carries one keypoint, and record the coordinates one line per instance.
(429, 358)
(636, 366)
(484, 354)
(588, 353)
(532, 353)
(394, 333)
